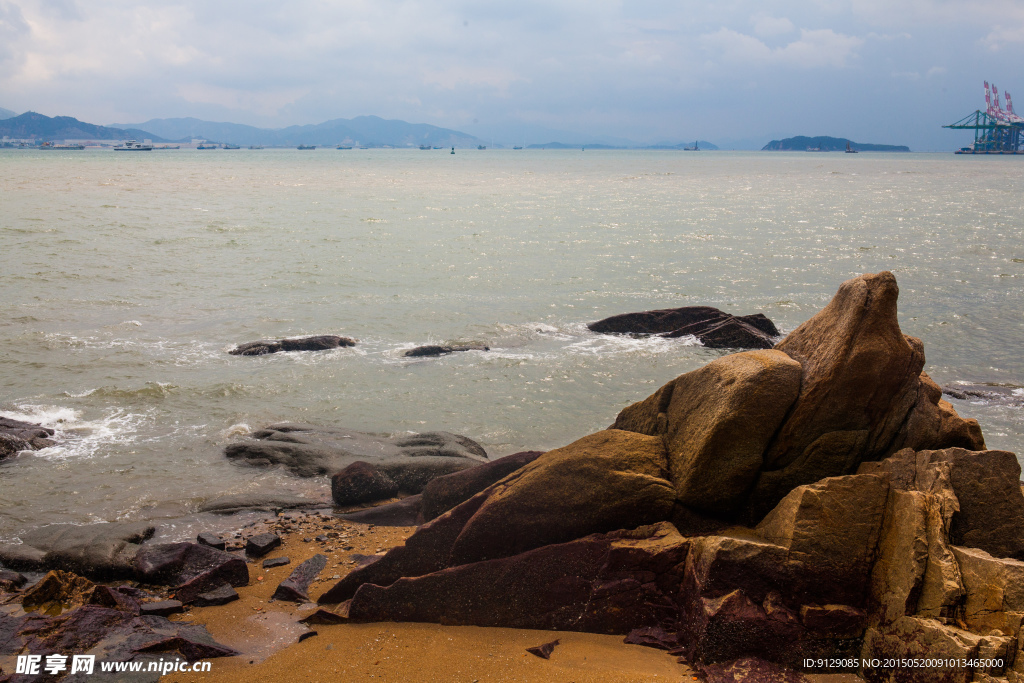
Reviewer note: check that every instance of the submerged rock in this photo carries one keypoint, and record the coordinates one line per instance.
(315, 343)
(999, 394)
(420, 351)
(259, 502)
(411, 460)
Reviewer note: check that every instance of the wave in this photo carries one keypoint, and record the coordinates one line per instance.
(76, 437)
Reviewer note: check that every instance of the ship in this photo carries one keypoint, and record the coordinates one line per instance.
(50, 145)
(695, 148)
(850, 150)
(481, 146)
(344, 147)
(201, 146)
(424, 146)
(230, 146)
(306, 147)
(133, 146)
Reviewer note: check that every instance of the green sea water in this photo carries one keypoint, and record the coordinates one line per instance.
(125, 278)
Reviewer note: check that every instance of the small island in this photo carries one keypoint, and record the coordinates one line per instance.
(824, 143)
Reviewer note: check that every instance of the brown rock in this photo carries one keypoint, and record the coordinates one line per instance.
(716, 423)
(831, 529)
(934, 423)
(994, 591)
(296, 586)
(543, 651)
(64, 590)
(360, 483)
(602, 583)
(602, 482)
(191, 568)
(444, 493)
(861, 383)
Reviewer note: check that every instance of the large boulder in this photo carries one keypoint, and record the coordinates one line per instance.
(190, 568)
(361, 482)
(444, 493)
(861, 384)
(17, 435)
(606, 481)
(716, 423)
(307, 451)
(99, 551)
(714, 328)
(602, 583)
(320, 342)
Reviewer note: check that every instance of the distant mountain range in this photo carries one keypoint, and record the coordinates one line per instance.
(366, 131)
(6, 114)
(33, 125)
(824, 143)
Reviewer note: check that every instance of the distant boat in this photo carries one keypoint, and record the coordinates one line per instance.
(850, 150)
(517, 147)
(255, 146)
(481, 147)
(424, 146)
(201, 146)
(133, 146)
(168, 147)
(50, 145)
(344, 147)
(814, 149)
(307, 147)
(228, 146)
(439, 148)
(695, 148)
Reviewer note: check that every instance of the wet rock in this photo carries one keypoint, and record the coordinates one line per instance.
(115, 598)
(668, 320)
(861, 383)
(315, 343)
(727, 332)
(211, 540)
(360, 483)
(444, 493)
(258, 502)
(603, 583)
(405, 512)
(307, 450)
(999, 394)
(11, 445)
(100, 551)
(276, 562)
(543, 651)
(420, 351)
(307, 635)
(323, 616)
(190, 568)
(716, 423)
(216, 597)
(296, 586)
(164, 608)
(261, 544)
(62, 589)
(16, 436)
(11, 581)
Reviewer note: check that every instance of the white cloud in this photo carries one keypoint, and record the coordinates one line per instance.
(814, 49)
(767, 26)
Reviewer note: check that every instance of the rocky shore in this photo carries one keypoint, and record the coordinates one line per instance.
(815, 500)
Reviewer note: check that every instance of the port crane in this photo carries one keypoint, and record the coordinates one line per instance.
(996, 131)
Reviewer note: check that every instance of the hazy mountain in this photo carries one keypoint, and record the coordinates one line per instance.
(6, 114)
(802, 143)
(33, 125)
(367, 131)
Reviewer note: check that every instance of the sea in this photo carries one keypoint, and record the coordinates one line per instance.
(125, 278)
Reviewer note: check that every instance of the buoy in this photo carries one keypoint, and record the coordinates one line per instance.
(453, 150)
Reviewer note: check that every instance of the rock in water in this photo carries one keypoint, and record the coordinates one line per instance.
(100, 551)
(321, 342)
(361, 482)
(296, 586)
(716, 423)
(16, 435)
(714, 328)
(420, 351)
(307, 450)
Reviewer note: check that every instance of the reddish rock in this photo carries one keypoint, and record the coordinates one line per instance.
(190, 568)
(296, 586)
(360, 483)
(444, 493)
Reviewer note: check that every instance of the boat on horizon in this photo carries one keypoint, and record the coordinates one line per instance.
(255, 146)
(202, 146)
(481, 146)
(344, 147)
(695, 148)
(168, 147)
(306, 147)
(50, 145)
(424, 146)
(850, 150)
(230, 146)
(517, 148)
(133, 146)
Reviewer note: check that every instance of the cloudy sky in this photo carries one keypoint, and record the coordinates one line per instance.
(734, 72)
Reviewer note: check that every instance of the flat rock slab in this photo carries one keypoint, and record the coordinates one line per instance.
(411, 460)
(259, 502)
(192, 569)
(98, 551)
(321, 342)
(164, 608)
(405, 512)
(999, 394)
(276, 562)
(216, 597)
(258, 546)
(296, 586)
(421, 351)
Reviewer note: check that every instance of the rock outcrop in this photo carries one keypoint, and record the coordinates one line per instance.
(444, 493)
(308, 450)
(876, 525)
(16, 436)
(321, 342)
(714, 328)
(421, 351)
(99, 551)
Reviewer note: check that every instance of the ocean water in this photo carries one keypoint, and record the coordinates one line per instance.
(125, 278)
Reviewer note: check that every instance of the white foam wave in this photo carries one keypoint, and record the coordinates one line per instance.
(75, 437)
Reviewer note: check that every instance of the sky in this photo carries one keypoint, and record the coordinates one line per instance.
(733, 72)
